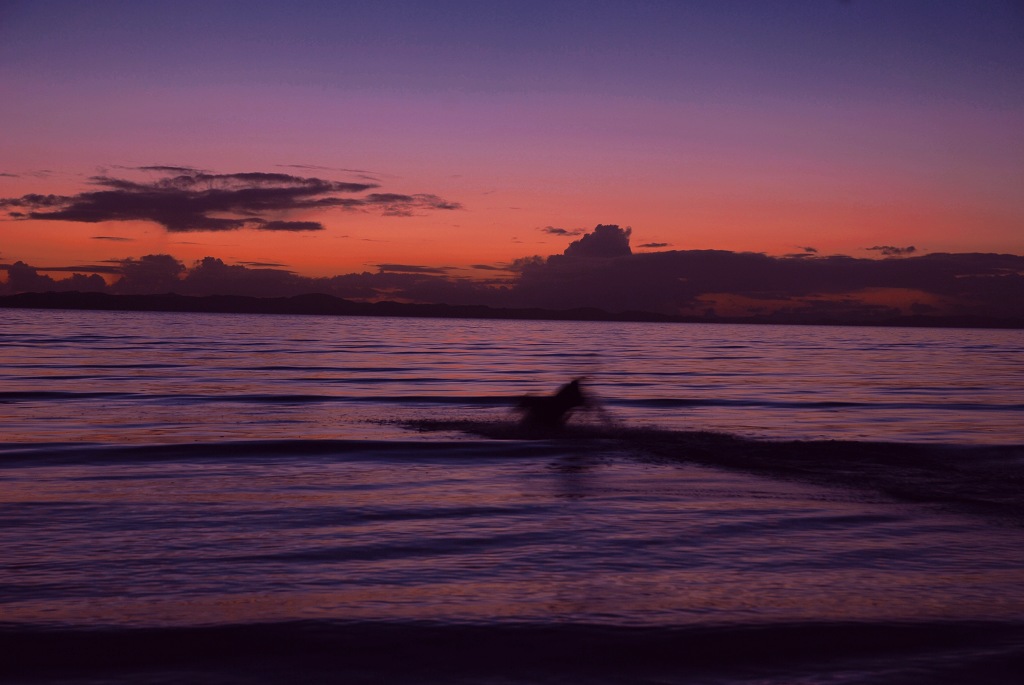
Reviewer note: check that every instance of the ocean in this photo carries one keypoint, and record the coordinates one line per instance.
(216, 498)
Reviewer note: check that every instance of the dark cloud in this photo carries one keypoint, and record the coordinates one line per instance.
(109, 268)
(554, 230)
(890, 251)
(599, 270)
(113, 238)
(395, 204)
(653, 245)
(523, 263)
(24, 278)
(288, 226)
(186, 199)
(606, 241)
(212, 276)
(34, 200)
(805, 252)
(168, 169)
(160, 273)
(609, 276)
(6, 175)
(685, 282)
(269, 265)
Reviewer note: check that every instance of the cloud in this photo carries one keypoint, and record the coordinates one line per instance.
(553, 230)
(653, 245)
(113, 238)
(167, 169)
(288, 225)
(606, 241)
(34, 200)
(211, 276)
(361, 173)
(809, 250)
(186, 199)
(608, 275)
(523, 263)
(268, 265)
(890, 251)
(160, 273)
(113, 268)
(395, 204)
(24, 278)
(737, 283)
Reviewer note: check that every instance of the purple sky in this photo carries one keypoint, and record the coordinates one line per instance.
(743, 126)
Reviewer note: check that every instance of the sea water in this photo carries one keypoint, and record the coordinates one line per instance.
(236, 498)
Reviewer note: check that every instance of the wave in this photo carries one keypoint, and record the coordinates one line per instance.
(985, 479)
(322, 651)
(491, 400)
(669, 402)
(258, 398)
(54, 453)
(53, 396)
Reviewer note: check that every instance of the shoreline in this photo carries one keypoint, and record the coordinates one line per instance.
(318, 304)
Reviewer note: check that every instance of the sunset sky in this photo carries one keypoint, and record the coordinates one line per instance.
(452, 134)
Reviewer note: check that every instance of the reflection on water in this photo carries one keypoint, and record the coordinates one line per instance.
(156, 377)
(244, 468)
(607, 540)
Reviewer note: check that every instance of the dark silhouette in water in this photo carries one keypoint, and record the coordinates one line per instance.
(552, 411)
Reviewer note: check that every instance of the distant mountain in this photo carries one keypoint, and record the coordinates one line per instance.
(311, 304)
(328, 305)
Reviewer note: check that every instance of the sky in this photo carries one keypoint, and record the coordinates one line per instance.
(332, 138)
